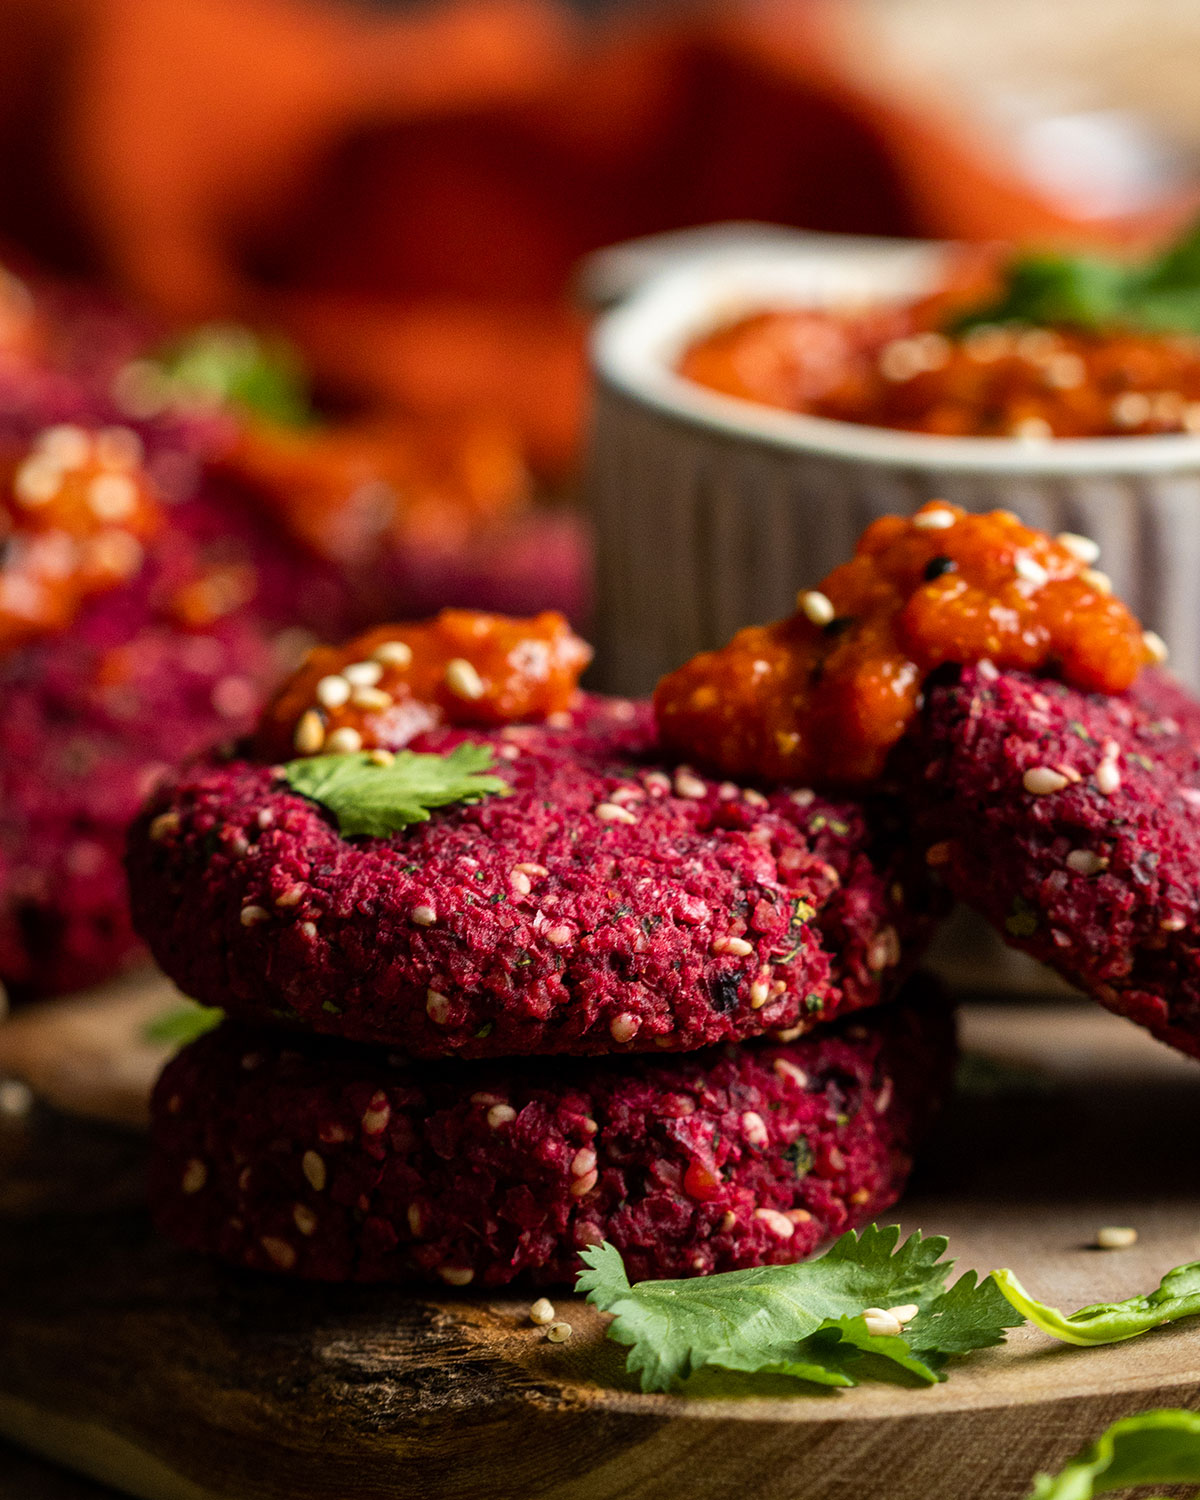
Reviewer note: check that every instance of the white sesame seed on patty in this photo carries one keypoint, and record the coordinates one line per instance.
(737, 946)
(1086, 862)
(252, 915)
(1108, 777)
(1041, 781)
(1029, 569)
(613, 812)
(1098, 580)
(1155, 646)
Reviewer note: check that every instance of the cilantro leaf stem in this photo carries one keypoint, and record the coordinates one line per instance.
(1177, 1296)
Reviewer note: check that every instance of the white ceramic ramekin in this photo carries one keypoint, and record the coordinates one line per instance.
(711, 511)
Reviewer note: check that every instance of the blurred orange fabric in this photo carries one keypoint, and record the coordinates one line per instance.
(406, 191)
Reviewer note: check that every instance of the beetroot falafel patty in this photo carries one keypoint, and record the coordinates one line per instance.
(1072, 822)
(605, 904)
(333, 1161)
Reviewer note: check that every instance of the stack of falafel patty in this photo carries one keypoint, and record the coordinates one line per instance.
(623, 1002)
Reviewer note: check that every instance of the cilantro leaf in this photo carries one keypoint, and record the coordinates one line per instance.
(1177, 1296)
(1161, 295)
(803, 1320)
(183, 1023)
(366, 797)
(1154, 1447)
(234, 366)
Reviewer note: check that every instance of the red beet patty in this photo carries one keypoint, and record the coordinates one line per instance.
(605, 905)
(1072, 822)
(335, 1161)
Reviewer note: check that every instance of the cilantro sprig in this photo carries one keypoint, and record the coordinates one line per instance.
(379, 799)
(182, 1023)
(230, 365)
(1154, 1447)
(1176, 1296)
(803, 1320)
(1158, 295)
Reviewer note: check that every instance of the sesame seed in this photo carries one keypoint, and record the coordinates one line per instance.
(760, 993)
(779, 1224)
(344, 741)
(164, 825)
(613, 812)
(279, 1251)
(252, 915)
(1085, 862)
(1173, 924)
(881, 1324)
(377, 1114)
(462, 679)
(313, 1167)
(520, 882)
(371, 700)
(361, 674)
(933, 520)
(309, 929)
(689, 786)
(535, 872)
(816, 607)
(16, 1098)
(558, 935)
(500, 1114)
(1156, 647)
(333, 691)
(905, 1313)
(1041, 781)
(754, 798)
(304, 1219)
(581, 1186)
(36, 482)
(1097, 580)
(737, 946)
(456, 1275)
(939, 853)
(542, 1312)
(1030, 570)
(1082, 547)
(310, 733)
(805, 797)
(291, 897)
(424, 916)
(1112, 1237)
(394, 654)
(624, 1028)
(754, 1128)
(789, 1070)
(558, 1333)
(437, 1007)
(1108, 777)
(583, 1162)
(195, 1175)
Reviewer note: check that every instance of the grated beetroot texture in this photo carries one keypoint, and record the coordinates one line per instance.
(707, 917)
(1099, 879)
(335, 1161)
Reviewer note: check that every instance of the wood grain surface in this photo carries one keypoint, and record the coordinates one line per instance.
(172, 1378)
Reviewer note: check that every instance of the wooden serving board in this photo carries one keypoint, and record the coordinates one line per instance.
(171, 1378)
